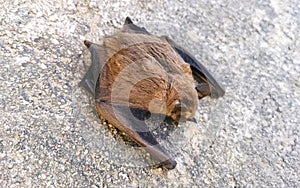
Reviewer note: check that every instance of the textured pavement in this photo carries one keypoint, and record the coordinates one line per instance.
(51, 136)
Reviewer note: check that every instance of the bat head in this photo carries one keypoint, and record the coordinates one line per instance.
(182, 102)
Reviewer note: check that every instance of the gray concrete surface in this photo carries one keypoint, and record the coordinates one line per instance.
(50, 135)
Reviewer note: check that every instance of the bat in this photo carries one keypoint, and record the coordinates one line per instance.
(134, 71)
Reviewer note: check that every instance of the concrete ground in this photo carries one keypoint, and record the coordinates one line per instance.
(50, 135)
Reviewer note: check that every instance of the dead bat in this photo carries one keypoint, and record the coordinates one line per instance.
(134, 71)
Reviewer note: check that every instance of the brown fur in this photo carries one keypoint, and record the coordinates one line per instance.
(140, 74)
(133, 69)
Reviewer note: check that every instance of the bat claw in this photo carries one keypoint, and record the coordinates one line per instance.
(87, 43)
(193, 119)
(169, 164)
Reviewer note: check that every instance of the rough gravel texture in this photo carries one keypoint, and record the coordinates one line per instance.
(51, 136)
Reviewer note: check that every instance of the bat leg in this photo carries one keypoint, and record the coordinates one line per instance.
(200, 73)
(136, 129)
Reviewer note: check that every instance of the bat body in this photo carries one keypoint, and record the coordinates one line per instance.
(133, 70)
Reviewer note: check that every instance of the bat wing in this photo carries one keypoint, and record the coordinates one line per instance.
(200, 73)
(130, 27)
(98, 56)
(136, 128)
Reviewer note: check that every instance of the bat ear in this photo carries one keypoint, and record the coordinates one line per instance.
(128, 21)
